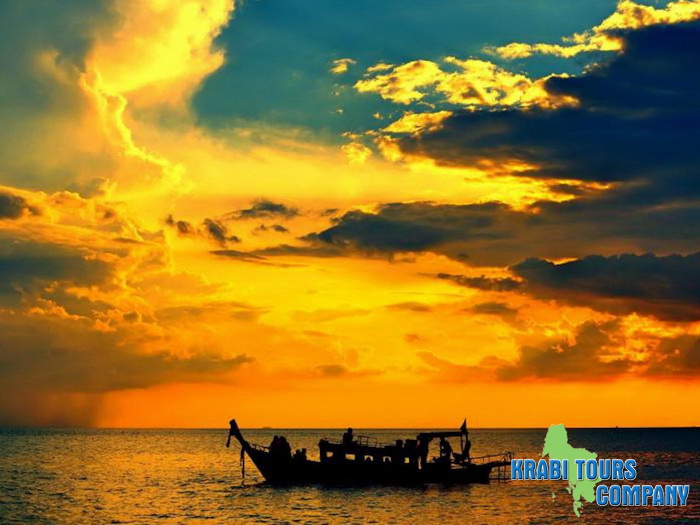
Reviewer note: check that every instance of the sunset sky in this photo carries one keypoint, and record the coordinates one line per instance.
(377, 214)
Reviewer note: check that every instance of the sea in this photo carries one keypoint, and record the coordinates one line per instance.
(76, 476)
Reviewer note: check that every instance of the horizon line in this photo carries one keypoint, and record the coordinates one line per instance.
(341, 428)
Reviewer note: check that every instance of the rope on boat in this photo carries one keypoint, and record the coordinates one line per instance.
(242, 466)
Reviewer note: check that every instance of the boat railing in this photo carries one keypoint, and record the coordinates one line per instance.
(261, 448)
(505, 457)
(363, 441)
(366, 441)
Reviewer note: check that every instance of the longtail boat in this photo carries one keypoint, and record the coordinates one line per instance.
(359, 460)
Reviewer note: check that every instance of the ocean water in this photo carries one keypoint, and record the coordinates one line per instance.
(171, 476)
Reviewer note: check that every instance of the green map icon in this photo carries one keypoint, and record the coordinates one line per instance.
(556, 446)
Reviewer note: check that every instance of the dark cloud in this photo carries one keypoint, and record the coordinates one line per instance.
(62, 345)
(332, 370)
(52, 354)
(638, 121)
(251, 257)
(665, 287)
(447, 371)
(420, 226)
(493, 284)
(182, 227)
(28, 267)
(236, 254)
(13, 206)
(495, 234)
(676, 357)
(212, 229)
(411, 306)
(237, 310)
(637, 126)
(495, 308)
(595, 351)
(265, 209)
(590, 357)
(275, 228)
(316, 250)
(218, 231)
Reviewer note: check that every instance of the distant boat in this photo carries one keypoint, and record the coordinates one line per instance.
(357, 460)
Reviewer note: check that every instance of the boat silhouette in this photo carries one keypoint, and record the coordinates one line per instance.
(359, 460)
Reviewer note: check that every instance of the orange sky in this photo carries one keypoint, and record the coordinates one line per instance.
(163, 273)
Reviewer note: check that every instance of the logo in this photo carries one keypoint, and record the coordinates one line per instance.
(584, 472)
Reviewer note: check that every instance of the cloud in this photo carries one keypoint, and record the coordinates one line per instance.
(445, 370)
(28, 267)
(625, 156)
(411, 306)
(334, 371)
(494, 284)
(676, 357)
(251, 257)
(417, 122)
(278, 228)
(212, 229)
(265, 209)
(219, 232)
(605, 36)
(172, 54)
(664, 287)
(80, 287)
(475, 83)
(14, 206)
(356, 152)
(88, 360)
(408, 227)
(636, 122)
(659, 286)
(341, 65)
(495, 234)
(182, 227)
(315, 250)
(591, 356)
(495, 308)
(595, 350)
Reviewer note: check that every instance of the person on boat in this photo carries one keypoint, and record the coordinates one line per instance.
(285, 449)
(300, 455)
(466, 450)
(348, 438)
(445, 449)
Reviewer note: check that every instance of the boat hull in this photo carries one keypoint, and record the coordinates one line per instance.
(290, 471)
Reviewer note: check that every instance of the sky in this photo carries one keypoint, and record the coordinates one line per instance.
(322, 214)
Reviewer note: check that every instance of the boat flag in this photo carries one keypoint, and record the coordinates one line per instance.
(463, 428)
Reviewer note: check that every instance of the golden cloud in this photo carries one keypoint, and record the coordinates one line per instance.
(160, 51)
(477, 83)
(627, 15)
(341, 65)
